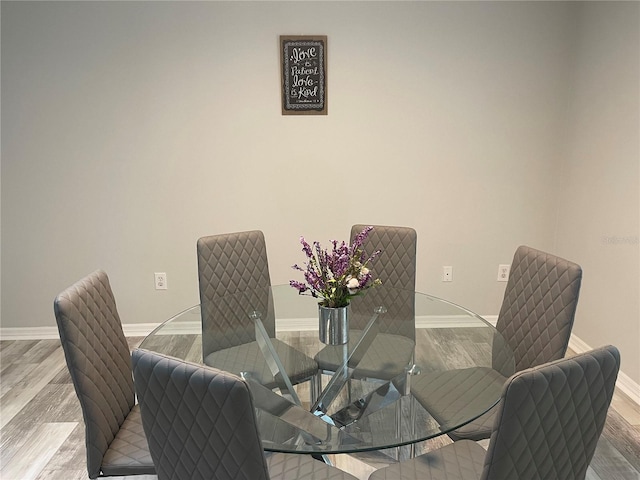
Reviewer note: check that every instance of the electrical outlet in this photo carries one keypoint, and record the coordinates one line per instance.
(447, 274)
(160, 281)
(503, 272)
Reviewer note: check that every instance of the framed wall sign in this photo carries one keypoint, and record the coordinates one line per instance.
(303, 66)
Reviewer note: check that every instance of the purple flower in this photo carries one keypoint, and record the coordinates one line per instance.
(301, 287)
(361, 237)
(337, 274)
(306, 248)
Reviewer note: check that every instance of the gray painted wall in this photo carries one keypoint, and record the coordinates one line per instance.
(599, 202)
(130, 129)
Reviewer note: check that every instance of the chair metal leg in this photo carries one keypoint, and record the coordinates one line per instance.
(316, 387)
(410, 370)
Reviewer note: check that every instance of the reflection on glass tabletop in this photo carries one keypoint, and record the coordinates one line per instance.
(395, 382)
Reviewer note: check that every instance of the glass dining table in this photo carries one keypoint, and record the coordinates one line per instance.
(360, 396)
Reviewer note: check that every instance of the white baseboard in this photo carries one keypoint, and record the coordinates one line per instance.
(29, 333)
(51, 333)
(624, 383)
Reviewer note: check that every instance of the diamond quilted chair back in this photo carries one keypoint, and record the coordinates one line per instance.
(396, 267)
(98, 359)
(200, 422)
(233, 276)
(538, 308)
(551, 417)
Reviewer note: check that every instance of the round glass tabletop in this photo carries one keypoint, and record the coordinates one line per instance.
(414, 366)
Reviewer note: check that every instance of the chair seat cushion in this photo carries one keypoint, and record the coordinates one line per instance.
(249, 358)
(128, 453)
(386, 358)
(478, 429)
(463, 460)
(290, 467)
(452, 396)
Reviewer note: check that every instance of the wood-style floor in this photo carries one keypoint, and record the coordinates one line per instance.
(42, 432)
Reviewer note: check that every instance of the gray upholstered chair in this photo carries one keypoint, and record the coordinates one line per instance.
(392, 351)
(201, 424)
(535, 320)
(99, 362)
(546, 427)
(233, 275)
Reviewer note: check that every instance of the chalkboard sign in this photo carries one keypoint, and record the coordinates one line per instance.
(303, 62)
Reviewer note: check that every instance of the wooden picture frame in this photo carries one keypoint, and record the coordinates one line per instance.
(303, 70)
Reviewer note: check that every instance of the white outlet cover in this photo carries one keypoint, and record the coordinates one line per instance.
(160, 280)
(447, 274)
(503, 272)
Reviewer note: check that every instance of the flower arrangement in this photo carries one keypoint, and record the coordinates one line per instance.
(336, 275)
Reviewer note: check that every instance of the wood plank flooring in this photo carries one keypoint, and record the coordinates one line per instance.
(42, 433)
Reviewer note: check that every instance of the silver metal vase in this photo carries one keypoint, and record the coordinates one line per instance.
(333, 325)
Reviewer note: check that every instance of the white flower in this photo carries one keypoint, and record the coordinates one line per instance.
(353, 284)
(364, 271)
